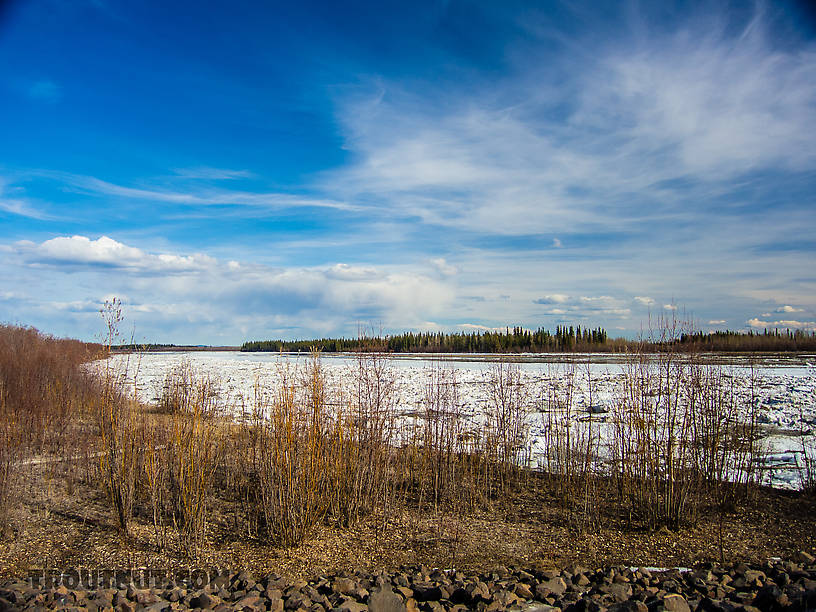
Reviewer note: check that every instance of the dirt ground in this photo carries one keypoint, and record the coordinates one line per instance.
(66, 523)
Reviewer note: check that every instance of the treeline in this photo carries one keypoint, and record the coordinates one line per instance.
(768, 341)
(573, 339)
(517, 340)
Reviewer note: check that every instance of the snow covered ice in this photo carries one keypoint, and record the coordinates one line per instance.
(784, 388)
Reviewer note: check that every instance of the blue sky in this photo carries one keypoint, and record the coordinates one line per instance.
(248, 170)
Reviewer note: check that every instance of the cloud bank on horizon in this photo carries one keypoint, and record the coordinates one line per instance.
(251, 171)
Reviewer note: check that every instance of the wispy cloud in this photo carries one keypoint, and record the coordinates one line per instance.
(12, 203)
(196, 196)
(656, 120)
(207, 173)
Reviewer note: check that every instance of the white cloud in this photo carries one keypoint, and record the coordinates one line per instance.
(207, 173)
(173, 291)
(444, 268)
(553, 298)
(643, 300)
(476, 327)
(556, 243)
(789, 309)
(200, 196)
(671, 307)
(11, 203)
(104, 251)
(717, 322)
(758, 323)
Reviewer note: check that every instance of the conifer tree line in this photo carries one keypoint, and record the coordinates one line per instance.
(515, 340)
(565, 339)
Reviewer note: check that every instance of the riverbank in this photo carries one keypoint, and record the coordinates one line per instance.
(65, 520)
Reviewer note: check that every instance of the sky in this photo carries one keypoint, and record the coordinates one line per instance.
(240, 170)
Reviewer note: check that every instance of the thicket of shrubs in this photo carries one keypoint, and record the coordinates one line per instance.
(304, 452)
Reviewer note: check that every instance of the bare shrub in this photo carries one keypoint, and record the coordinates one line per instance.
(679, 433)
(121, 450)
(361, 439)
(507, 423)
(180, 462)
(572, 455)
(291, 458)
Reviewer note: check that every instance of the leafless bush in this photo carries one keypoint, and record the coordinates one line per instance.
(507, 423)
(572, 456)
(291, 458)
(121, 450)
(679, 433)
(180, 463)
(360, 441)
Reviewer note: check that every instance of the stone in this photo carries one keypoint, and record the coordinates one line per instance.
(385, 600)
(804, 557)
(556, 586)
(631, 605)
(344, 586)
(205, 601)
(352, 606)
(251, 601)
(127, 606)
(675, 603)
(425, 591)
(297, 600)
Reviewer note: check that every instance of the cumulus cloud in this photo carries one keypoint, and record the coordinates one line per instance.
(671, 307)
(444, 268)
(477, 327)
(107, 252)
(553, 298)
(643, 300)
(717, 322)
(789, 309)
(786, 324)
(176, 290)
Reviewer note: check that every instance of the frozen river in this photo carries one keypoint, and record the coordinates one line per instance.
(784, 387)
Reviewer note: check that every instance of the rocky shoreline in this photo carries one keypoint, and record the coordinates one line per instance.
(773, 586)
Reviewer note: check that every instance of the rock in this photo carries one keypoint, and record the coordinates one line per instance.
(754, 578)
(427, 592)
(478, 591)
(675, 603)
(523, 591)
(297, 600)
(619, 591)
(631, 605)
(204, 600)
(557, 586)
(344, 586)
(127, 606)
(804, 557)
(352, 606)
(385, 600)
(251, 601)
